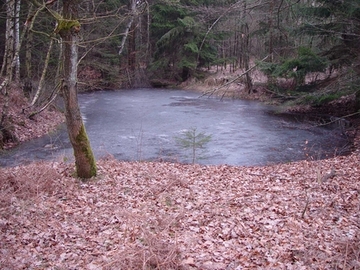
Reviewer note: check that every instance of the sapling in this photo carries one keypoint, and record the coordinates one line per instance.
(193, 140)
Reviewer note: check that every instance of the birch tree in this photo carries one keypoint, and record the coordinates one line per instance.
(7, 69)
(9, 54)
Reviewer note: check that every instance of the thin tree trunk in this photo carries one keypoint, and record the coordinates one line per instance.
(29, 41)
(5, 93)
(148, 34)
(28, 55)
(249, 83)
(17, 40)
(5, 132)
(132, 49)
(10, 30)
(84, 157)
(122, 45)
(129, 25)
(42, 79)
(6, 68)
(132, 44)
(245, 48)
(271, 31)
(28, 35)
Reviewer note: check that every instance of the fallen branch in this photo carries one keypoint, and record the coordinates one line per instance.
(42, 108)
(51, 99)
(211, 92)
(336, 119)
(280, 95)
(306, 207)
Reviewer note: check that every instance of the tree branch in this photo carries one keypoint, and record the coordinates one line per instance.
(211, 92)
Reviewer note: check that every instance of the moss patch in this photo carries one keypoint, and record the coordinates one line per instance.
(64, 25)
(83, 141)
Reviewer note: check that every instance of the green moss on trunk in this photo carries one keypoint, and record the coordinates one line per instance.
(64, 25)
(83, 143)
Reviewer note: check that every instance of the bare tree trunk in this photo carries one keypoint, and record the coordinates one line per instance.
(17, 45)
(28, 35)
(84, 157)
(249, 83)
(127, 29)
(28, 55)
(131, 56)
(6, 68)
(132, 7)
(7, 71)
(6, 134)
(29, 41)
(5, 93)
(132, 49)
(245, 44)
(42, 79)
(271, 31)
(148, 34)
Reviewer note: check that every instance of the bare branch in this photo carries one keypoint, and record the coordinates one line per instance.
(211, 92)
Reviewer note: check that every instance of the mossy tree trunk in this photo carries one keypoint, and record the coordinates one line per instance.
(84, 158)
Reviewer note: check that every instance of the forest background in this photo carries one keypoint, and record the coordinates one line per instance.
(125, 44)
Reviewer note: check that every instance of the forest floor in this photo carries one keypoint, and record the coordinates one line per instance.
(146, 215)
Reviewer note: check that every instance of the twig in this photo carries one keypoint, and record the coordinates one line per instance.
(306, 206)
(346, 254)
(212, 26)
(337, 119)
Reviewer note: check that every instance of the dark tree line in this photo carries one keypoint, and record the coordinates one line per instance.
(129, 43)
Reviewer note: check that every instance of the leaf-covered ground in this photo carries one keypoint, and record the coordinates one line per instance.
(144, 215)
(18, 121)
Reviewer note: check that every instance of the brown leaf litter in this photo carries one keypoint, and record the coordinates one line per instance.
(145, 215)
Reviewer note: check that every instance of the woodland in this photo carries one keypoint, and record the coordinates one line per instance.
(109, 214)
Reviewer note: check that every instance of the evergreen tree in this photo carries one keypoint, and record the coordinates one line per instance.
(336, 25)
(178, 33)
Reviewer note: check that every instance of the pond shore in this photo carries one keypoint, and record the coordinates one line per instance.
(26, 129)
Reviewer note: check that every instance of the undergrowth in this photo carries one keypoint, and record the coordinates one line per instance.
(26, 185)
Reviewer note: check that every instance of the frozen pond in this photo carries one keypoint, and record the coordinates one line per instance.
(143, 124)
